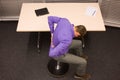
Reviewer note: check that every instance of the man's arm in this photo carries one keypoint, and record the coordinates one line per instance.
(51, 21)
(61, 48)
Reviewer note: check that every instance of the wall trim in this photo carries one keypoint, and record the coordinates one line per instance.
(9, 18)
(113, 24)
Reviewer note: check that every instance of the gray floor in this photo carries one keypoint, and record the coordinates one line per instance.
(19, 59)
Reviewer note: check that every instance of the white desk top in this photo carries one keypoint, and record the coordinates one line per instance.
(75, 12)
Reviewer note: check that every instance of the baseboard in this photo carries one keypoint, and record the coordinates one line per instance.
(113, 24)
(9, 18)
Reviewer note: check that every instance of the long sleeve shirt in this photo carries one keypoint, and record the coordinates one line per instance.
(62, 35)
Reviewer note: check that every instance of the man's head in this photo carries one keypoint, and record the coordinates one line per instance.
(80, 30)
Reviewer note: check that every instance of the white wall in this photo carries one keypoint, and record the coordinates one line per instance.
(10, 9)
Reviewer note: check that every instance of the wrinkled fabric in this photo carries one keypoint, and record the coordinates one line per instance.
(62, 35)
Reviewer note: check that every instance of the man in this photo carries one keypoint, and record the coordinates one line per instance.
(62, 44)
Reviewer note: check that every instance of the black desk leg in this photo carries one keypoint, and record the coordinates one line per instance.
(83, 42)
(38, 42)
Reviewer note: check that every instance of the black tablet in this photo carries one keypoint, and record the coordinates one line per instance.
(42, 11)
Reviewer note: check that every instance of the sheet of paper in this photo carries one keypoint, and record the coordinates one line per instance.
(91, 11)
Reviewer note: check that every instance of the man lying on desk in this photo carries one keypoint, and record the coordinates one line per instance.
(62, 42)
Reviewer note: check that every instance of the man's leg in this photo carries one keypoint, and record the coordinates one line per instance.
(76, 48)
(73, 59)
(81, 62)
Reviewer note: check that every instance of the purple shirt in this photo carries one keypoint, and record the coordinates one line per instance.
(62, 35)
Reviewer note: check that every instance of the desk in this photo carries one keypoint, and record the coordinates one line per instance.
(75, 12)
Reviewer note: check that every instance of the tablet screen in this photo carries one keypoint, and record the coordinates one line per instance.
(42, 11)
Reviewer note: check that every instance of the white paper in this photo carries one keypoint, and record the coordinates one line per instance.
(91, 11)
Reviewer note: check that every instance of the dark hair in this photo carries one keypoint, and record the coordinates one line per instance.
(81, 29)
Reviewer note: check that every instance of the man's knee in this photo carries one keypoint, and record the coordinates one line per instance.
(83, 62)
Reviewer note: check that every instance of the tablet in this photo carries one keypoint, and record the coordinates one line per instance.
(42, 11)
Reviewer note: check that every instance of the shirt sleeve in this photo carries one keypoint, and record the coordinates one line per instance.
(61, 48)
(51, 21)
